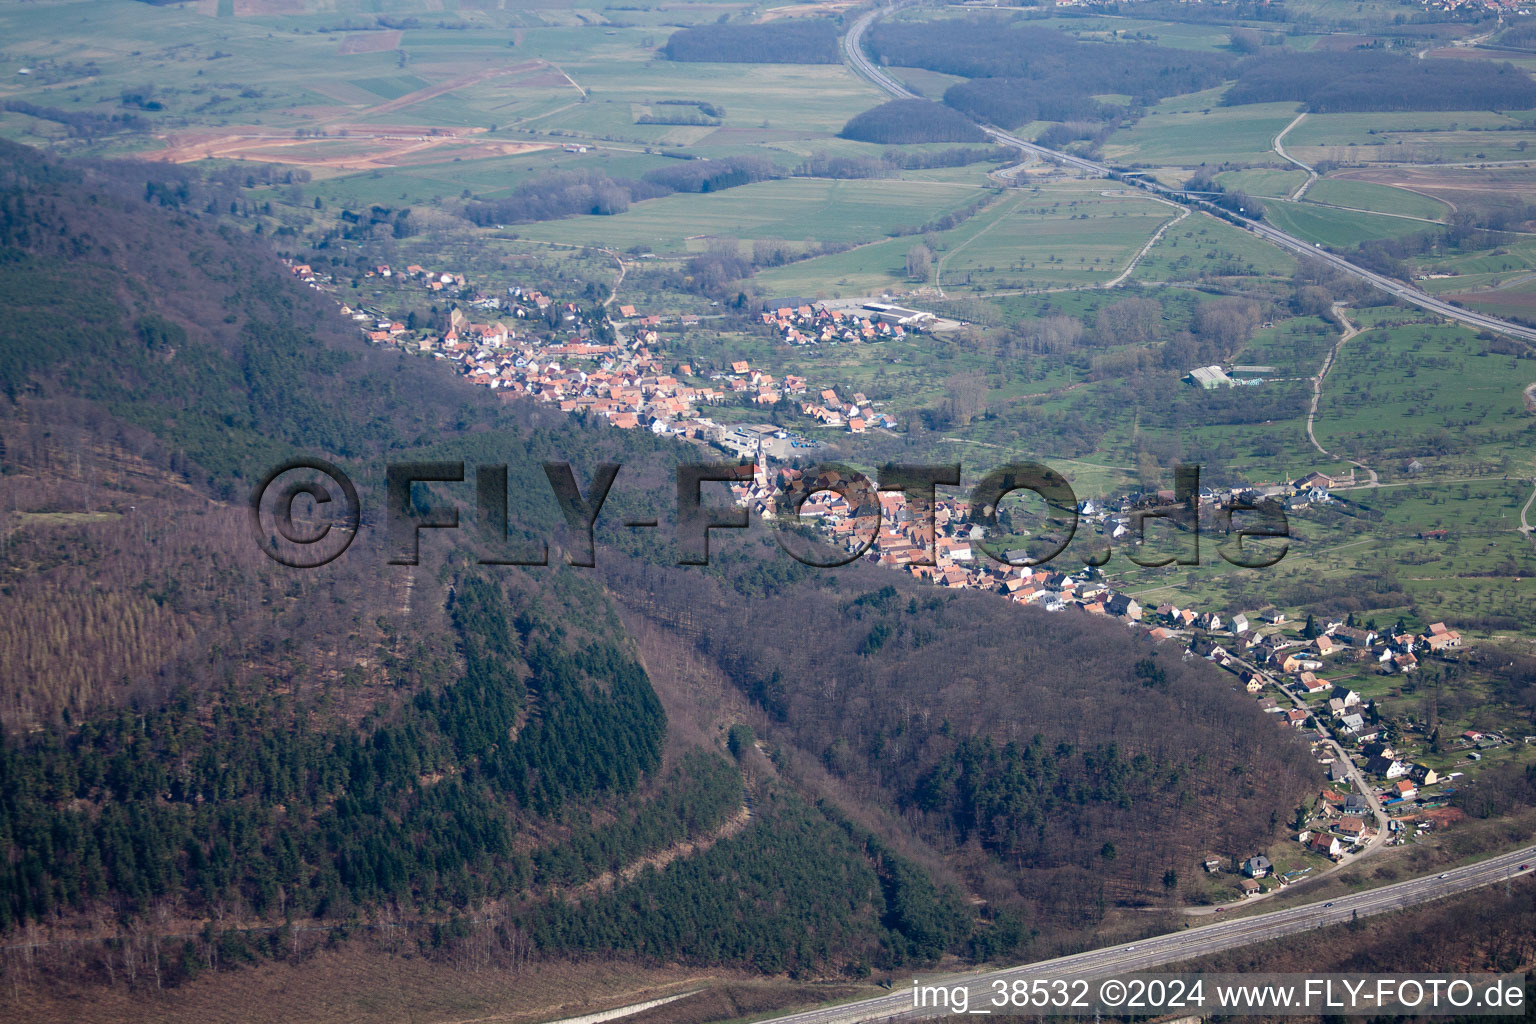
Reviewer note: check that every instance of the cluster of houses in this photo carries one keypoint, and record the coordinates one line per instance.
(856, 413)
(628, 383)
(807, 323)
(1395, 650)
(1342, 824)
(1519, 7)
(941, 549)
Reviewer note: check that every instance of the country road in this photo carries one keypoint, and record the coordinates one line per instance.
(1350, 330)
(1157, 236)
(1279, 148)
(1172, 947)
(854, 56)
(1356, 779)
(1525, 525)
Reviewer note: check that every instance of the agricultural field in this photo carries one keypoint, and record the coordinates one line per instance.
(1500, 280)
(863, 270)
(1059, 237)
(1515, 299)
(1365, 196)
(1336, 227)
(794, 209)
(1205, 247)
(1398, 393)
(1478, 271)
(481, 84)
(924, 82)
(1497, 186)
(1210, 38)
(1264, 182)
(1427, 137)
(1193, 131)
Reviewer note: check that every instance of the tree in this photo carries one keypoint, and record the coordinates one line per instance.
(966, 398)
(1128, 322)
(1244, 40)
(919, 262)
(740, 739)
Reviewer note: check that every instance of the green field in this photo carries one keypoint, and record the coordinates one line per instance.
(1038, 243)
(1339, 228)
(1173, 34)
(803, 97)
(794, 209)
(1066, 234)
(1435, 390)
(391, 87)
(1204, 246)
(1417, 137)
(926, 83)
(1365, 195)
(1364, 129)
(862, 271)
(1262, 182)
(1175, 133)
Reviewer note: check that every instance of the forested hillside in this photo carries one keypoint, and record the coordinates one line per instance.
(1081, 759)
(210, 759)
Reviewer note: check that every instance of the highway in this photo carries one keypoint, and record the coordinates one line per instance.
(854, 56)
(1147, 954)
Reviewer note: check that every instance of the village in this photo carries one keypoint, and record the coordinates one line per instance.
(527, 345)
(614, 369)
